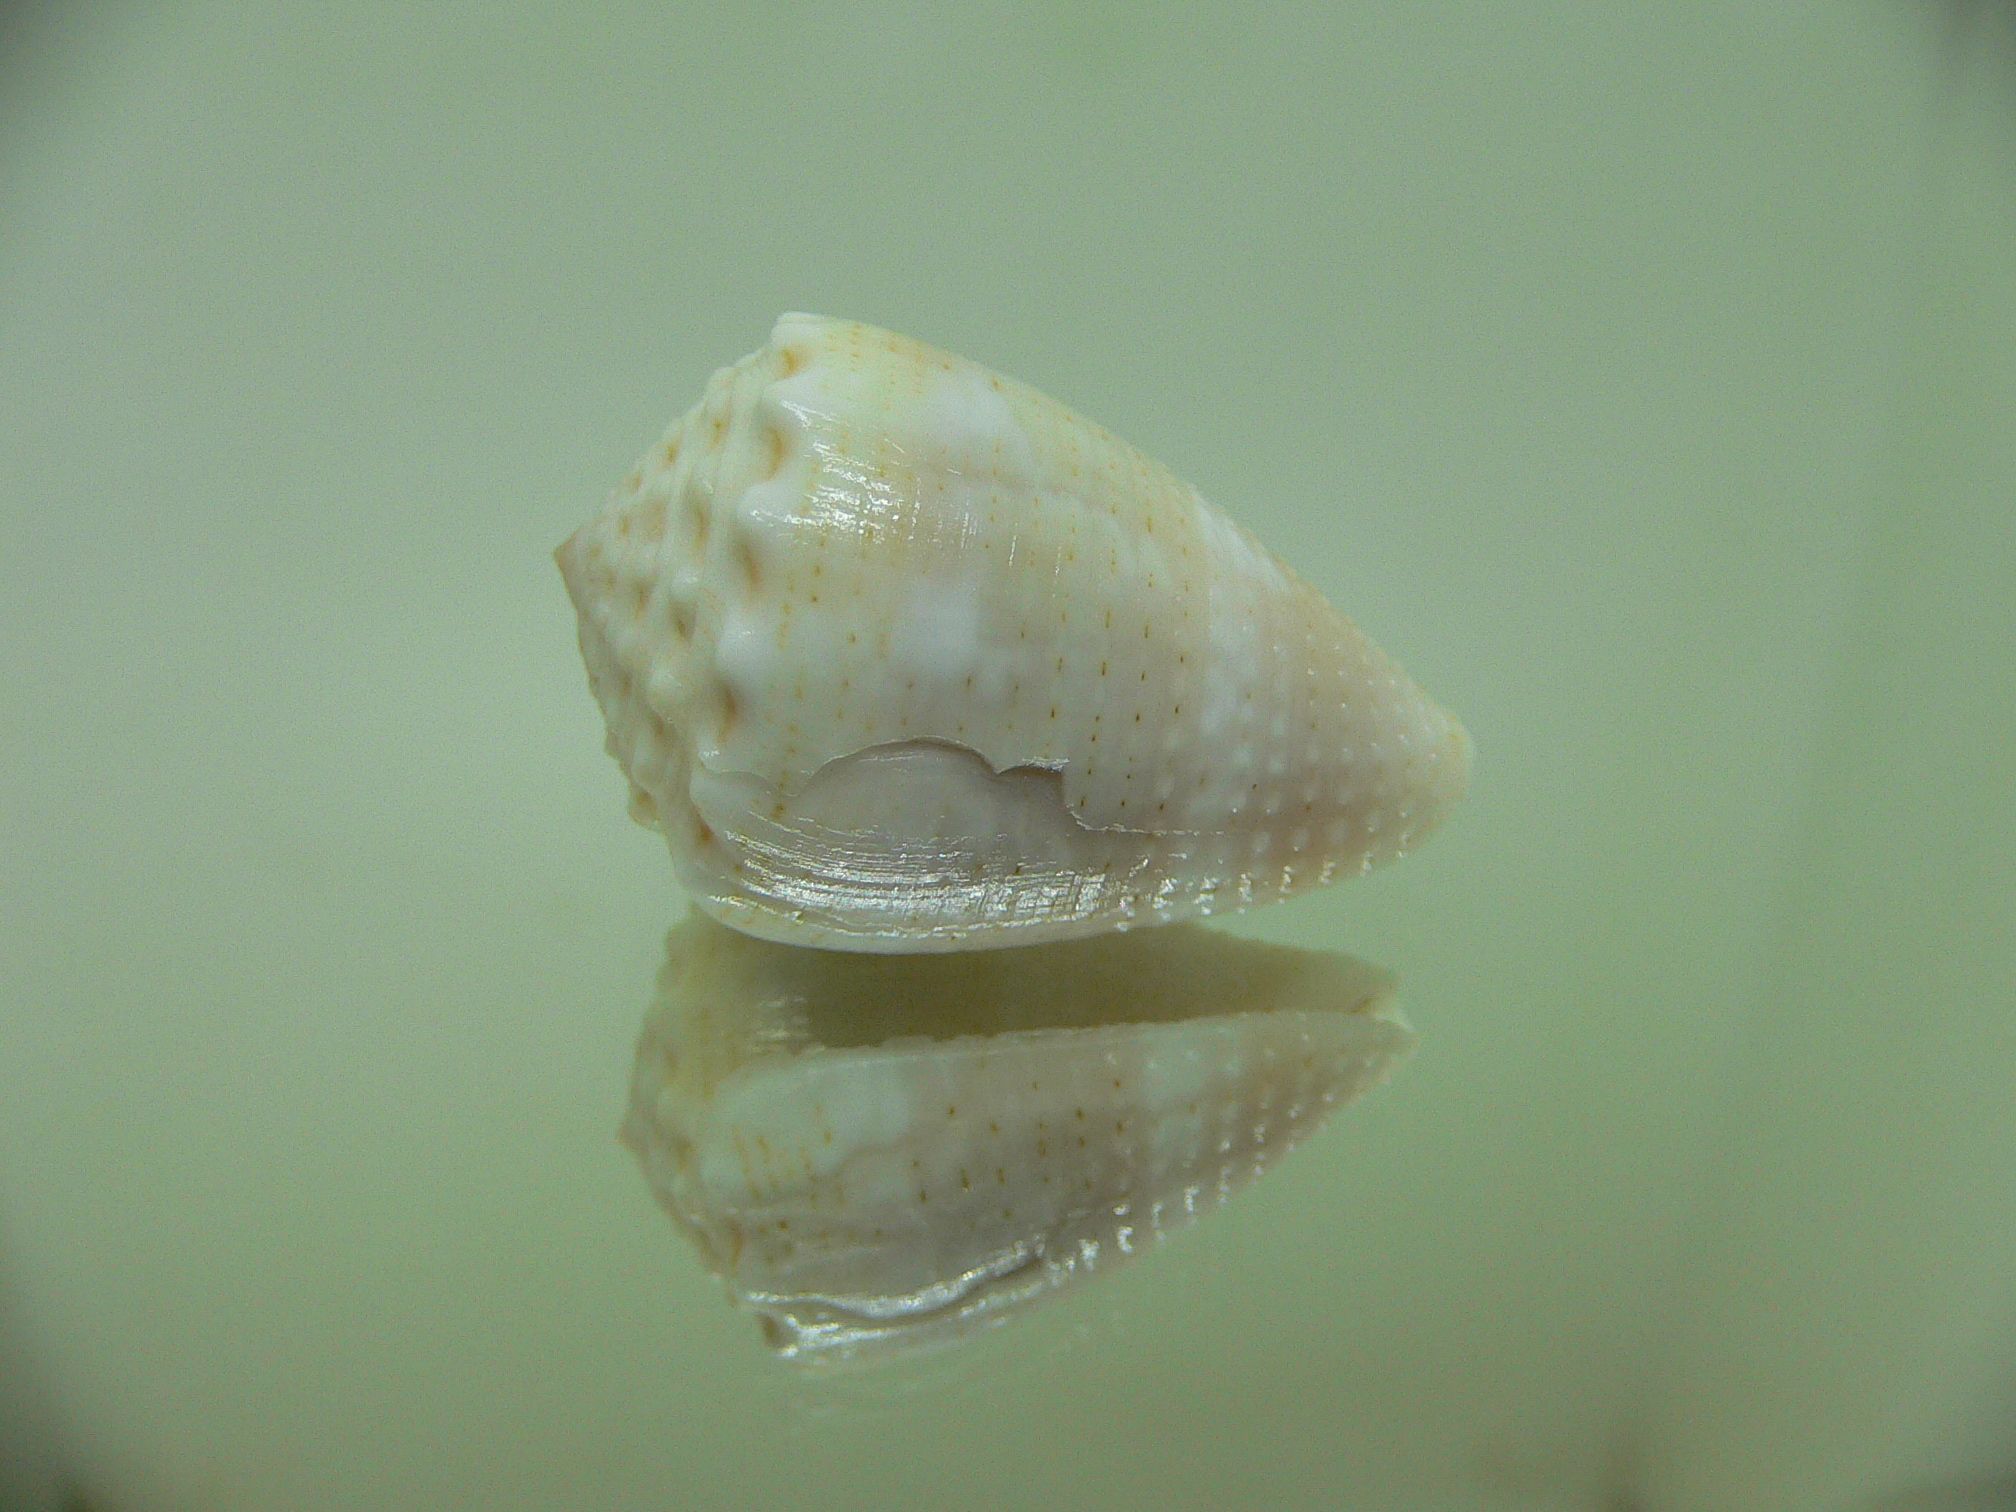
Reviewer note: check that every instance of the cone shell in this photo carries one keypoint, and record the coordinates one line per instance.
(901, 655)
(881, 1151)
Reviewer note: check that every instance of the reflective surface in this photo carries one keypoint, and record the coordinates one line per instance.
(882, 1153)
(1643, 376)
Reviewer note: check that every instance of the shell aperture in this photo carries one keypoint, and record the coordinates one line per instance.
(901, 655)
(881, 1151)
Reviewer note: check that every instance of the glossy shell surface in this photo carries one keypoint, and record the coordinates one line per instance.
(901, 655)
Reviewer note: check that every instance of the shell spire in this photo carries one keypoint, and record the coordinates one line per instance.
(902, 655)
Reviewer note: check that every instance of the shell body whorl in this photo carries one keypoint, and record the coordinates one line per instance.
(902, 655)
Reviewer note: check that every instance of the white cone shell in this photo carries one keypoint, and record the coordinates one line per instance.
(879, 1151)
(902, 655)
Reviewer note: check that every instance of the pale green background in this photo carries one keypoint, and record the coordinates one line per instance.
(1644, 378)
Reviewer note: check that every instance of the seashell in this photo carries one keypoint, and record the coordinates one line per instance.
(901, 655)
(882, 1151)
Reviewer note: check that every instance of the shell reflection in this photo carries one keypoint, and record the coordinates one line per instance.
(877, 1151)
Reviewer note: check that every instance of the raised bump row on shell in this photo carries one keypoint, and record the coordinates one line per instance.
(902, 655)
